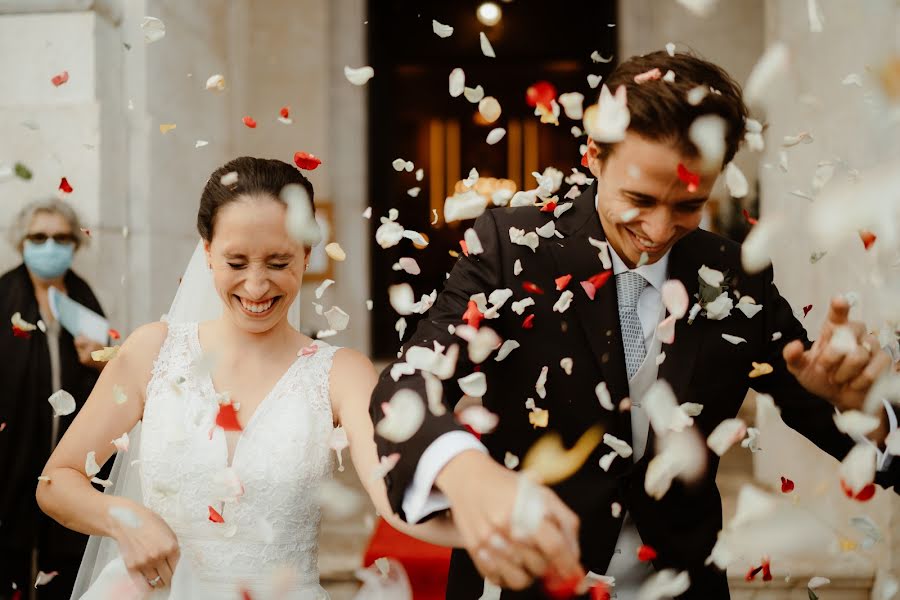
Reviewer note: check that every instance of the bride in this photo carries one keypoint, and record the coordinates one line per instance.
(218, 494)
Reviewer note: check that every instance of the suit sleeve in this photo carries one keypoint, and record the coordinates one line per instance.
(471, 274)
(801, 410)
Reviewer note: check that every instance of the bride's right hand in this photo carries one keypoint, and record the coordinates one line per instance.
(149, 550)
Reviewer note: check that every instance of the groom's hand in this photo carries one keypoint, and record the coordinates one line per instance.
(834, 370)
(482, 495)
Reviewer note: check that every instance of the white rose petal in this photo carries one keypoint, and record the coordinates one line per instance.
(403, 417)
(441, 30)
(856, 423)
(480, 419)
(63, 403)
(154, 29)
(662, 409)
(474, 95)
(541, 385)
(817, 582)
(518, 236)
(300, 221)
(769, 67)
(337, 318)
(675, 298)
(121, 443)
(733, 339)
(489, 108)
(667, 583)
(858, 467)
(603, 396)
(91, 467)
(322, 287)
(565, 299)
(692, 409)
(464, 206)
(335, 252)
(607, 120)
(486, 47)
(749, 309)
(707, 132)
(457, 82)
(621, 447)
(572, 103)
(474, 384)
(473, 243)
(607, 459)
(725, 435)
(507, 347)
(495, 135)
(44, 578)
(735, 181)
(359, 76)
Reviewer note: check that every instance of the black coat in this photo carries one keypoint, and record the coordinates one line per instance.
(700, 365)
(25, 385)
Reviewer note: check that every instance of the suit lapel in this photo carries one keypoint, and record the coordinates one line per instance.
(681, 355)
(599, 317)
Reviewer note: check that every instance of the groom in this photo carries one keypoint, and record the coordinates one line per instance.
(646, 205)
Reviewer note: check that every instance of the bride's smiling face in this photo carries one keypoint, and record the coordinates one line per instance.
(257, 267)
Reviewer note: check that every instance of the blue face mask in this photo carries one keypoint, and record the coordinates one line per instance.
(48, 260)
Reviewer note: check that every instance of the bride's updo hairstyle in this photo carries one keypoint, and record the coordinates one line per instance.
(255, 177)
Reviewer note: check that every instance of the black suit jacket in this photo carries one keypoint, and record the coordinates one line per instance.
(700, 365)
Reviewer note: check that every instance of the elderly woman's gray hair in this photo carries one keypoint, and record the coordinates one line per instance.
(19, 229)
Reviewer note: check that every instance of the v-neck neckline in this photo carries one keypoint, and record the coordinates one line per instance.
(208, 382)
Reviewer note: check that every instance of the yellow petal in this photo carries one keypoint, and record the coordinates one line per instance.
(761, 369)
(539, 417)
(552, 463)
(167, 127)
(106, 354)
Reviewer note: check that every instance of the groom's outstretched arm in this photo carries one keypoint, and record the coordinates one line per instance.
(471, 275)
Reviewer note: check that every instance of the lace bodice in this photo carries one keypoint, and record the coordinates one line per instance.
(267, 496)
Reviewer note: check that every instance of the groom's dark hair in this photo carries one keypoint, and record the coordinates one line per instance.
(255, 177)
(662, 111)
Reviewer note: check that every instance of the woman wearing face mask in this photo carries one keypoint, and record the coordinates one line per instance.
(35, 363)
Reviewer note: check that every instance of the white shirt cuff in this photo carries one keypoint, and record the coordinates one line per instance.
(421, 498)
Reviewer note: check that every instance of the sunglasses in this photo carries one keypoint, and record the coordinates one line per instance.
(59, 238)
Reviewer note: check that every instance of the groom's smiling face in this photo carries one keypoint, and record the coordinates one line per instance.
(644, 205)
(257, 267)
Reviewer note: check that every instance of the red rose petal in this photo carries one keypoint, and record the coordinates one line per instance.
(285, 112)
(600, 279)
(766, 569)
(214, 516)
(540, 92)
(549, 207)
(473, 316)
(472, 431)
(528, 323)
(227, 418)
(114, 334)
(748, 218)
(245, 595)
(868, 238)
(60, 79)
(532, 288)
(464, 246)
(21, 333)
(249, 122)
(600, 592)
(64, 186)
(584, 160)
(558, 588)
(562, 282)
(306, 161)
(691, 180)
(645, 553)
(866, 493)
(787, 486)
(589, 289)
(806, 309)
(752, 573)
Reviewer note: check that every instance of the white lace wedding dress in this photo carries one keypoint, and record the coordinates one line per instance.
(263, 483)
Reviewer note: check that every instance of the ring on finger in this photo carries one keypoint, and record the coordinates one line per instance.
(155, 581)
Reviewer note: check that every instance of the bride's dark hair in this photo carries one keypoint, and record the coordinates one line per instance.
(255, 177)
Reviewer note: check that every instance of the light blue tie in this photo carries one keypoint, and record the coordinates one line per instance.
(629, 286)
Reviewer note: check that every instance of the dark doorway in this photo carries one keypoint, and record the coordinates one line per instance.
(412, 116)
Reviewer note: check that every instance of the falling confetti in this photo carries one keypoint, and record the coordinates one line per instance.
(58, 80)
(359, 76)
(306, 161)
